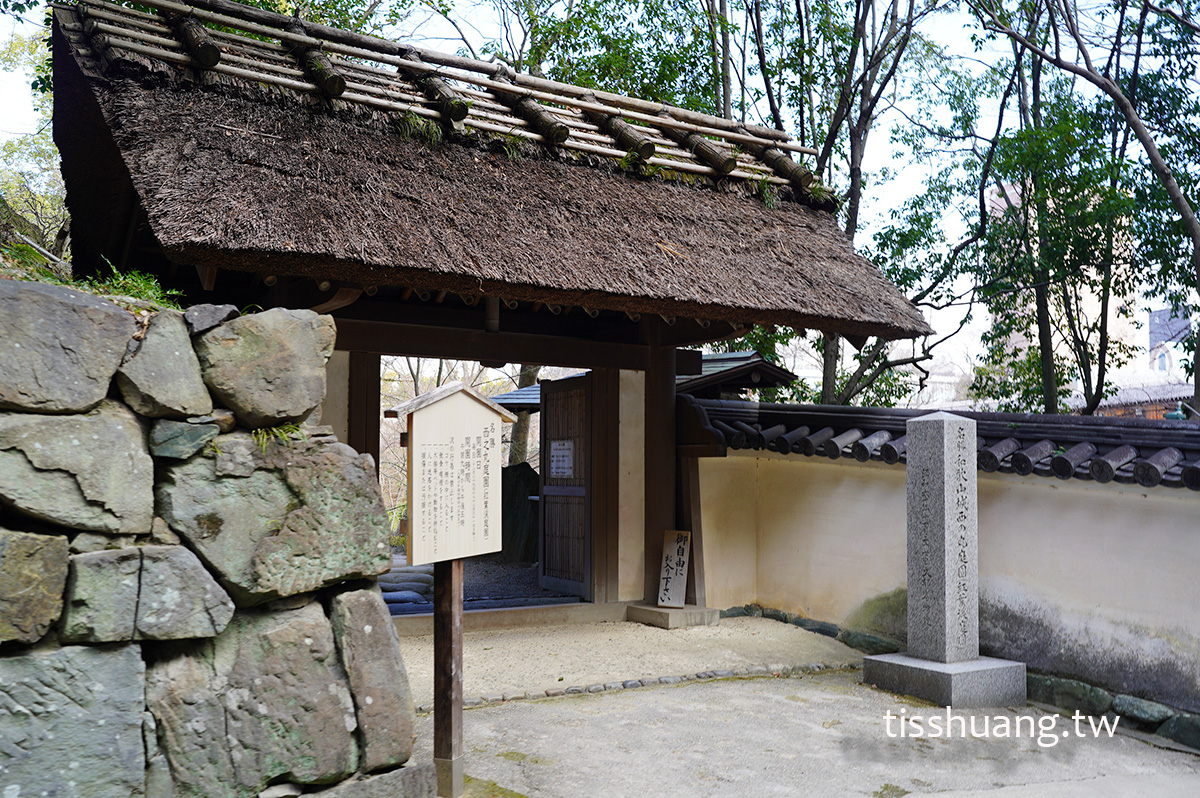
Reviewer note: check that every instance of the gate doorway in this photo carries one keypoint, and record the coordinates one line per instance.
(565, 539)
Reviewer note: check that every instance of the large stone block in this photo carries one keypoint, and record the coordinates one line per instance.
(180, 440)
(102, 597)
(71, 723)
(59, 348)
(265, 701)
(268, 368)
(160, 377)
(1183, 729)
(89, 471)
(142, 593)
(33, 573)
(279, 519)
(202, 318)
(177, 597)
(414, 781)
(370, 651)
(943, 530)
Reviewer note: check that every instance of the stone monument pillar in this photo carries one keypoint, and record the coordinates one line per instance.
(942, 663)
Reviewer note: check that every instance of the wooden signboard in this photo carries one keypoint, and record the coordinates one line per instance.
(672, 585)
(453, 512)
(453, 474)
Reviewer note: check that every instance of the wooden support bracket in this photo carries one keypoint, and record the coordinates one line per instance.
(208, 277)
(346, 295)
(551, 128)
(329, 80)
(628, 137)
(706, 150)
(200, 46)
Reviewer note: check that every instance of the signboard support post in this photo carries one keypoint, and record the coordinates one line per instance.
(448, 677)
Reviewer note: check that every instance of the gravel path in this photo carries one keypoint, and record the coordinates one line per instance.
(532, 660)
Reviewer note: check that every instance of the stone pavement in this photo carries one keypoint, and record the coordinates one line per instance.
(819, 733)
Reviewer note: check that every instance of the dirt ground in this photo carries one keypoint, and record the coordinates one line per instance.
(537, 658)
(822, 733)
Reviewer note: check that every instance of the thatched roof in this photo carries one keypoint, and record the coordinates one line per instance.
(248, 166)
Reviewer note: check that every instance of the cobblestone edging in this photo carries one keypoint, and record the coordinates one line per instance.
(752, 672)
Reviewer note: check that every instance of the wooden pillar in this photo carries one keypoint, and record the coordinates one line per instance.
(448, 677)
(363, 399)
(660, 453)
(689, 516)
(605, 484)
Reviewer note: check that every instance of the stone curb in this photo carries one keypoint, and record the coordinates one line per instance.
(750, 672)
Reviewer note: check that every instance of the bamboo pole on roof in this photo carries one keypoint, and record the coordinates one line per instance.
(359, 46)
(274, 20)
(358, 93)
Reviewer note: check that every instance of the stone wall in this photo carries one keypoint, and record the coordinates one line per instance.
(188, 604)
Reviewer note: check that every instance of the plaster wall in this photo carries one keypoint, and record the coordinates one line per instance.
(1095, 582)
(729, 525)
(631, 486)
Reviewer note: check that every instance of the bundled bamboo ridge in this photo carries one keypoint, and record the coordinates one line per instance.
(214, 36)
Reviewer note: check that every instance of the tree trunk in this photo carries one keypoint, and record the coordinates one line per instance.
(519, 451)
(830, 357)
(1041, 289)
(726, 80)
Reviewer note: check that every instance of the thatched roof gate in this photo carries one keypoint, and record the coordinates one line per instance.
(442, 206)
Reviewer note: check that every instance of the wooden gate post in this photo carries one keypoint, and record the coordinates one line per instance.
(448, 677)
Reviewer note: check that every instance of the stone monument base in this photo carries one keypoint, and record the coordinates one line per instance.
(673, 617)
(982, 682)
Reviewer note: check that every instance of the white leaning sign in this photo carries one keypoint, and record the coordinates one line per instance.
(453, 474)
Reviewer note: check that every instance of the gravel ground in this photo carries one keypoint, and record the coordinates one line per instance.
(535, 659)
(819, 732)
(822, 734)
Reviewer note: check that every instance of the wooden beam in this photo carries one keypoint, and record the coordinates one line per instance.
(397, 338)
(711, 153)
(196, 41)
(316, 63)
(208, 277)
(363, 412)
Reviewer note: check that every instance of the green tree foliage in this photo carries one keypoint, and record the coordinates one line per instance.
(30, 183)
(1062, 224)
(1141, 59)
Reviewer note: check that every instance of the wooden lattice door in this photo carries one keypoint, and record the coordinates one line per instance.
(565, 549)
